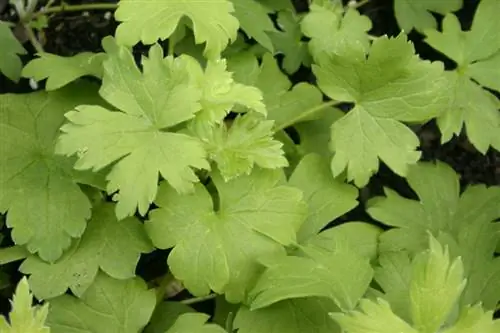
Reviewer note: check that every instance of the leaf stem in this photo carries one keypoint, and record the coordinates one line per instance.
(358, 4)
(32, 38)
(306, 114)
(195, 300)
(13, 253)
(74, 8)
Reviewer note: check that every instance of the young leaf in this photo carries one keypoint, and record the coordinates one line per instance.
(331, 30)
(107, 244)
(257, 210)
(302, 315)
(108, 305)
(477, 55)
(255, 21)
(150, 103)
(165, 315)
(392, 85)
(38, 190)
(213, 22)
(342, 276)
(373, 317)
(10, 64)
(24, 318)
(194, 323)
(238, 147)
(474, 319)
(417, 13)
(289, 42)
(327, 198)
(59, 71)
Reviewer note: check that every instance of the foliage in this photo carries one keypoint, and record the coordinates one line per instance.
(207, 153)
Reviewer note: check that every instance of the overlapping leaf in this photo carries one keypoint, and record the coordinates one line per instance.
(463, 220)
(39, 190)
(59, 71)
(24, 317)
(213, 22)
(194, 323)
(388, 87)
(107, 244)
(150, 103)
(108, 305)
(477, 55)
(417, 13)
(257, 210)
(10, 64)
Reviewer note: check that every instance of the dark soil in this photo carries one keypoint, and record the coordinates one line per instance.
(71, 33)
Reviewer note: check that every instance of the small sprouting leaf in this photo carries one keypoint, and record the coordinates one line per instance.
(10, 64)
(194, 323)
(332, 31)
(390, 86)
(327, 198)
(108, 305)
(107, 244)
(342, 276)
(417, 13)
(25, 318)
(38, 189)
(302, 315)
(150, 103)
(245, 143)
(59, 71)
(257, 210)
(213, 22)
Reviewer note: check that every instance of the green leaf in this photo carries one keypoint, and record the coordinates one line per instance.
(257, 210)
(108, 305)
(23, 317)
(373, 317)
(255, 21)
(417, 13)
(332, 31)
(59, 71)
(466, 218)
(477, 54)
(165, 315)
(10, 64)
(194, 323)
(473, 319)
(245, 143)
(303, 315)
(109, 245)
(213, 23)
(392, 85)
(327, 198)
(342, 276)
(436, 285)
(150, 104)
(289, 42)
(39, 190)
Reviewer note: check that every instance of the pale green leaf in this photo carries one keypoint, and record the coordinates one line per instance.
(342, 276)
(257, 210)
(213, 22)
(255, 21)
(303, 315)
(417, 13)
(59, 71)
(392, 85)
(151, 103)
(244, 143)
(109, 245)
(373, 317)
(23, 317)
(165, 315)
(483, 40)
(10, 64)
(473, 320)
(327, 198)
(39, 190)
(194, 323)
(108, 305)
(436, 285)
(332, 31)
